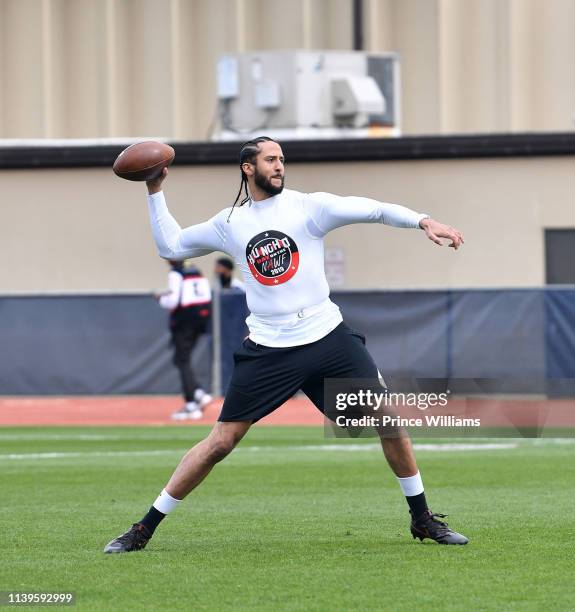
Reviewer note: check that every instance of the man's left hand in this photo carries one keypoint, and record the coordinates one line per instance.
(436, 231)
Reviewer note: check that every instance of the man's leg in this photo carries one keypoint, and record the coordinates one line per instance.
(200, 459)
(263, 379)
(345, 356)
(398, 451)
(399, 454)
(192, 469)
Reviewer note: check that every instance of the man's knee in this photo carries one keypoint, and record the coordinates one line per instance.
(222, 443)
(219, 449)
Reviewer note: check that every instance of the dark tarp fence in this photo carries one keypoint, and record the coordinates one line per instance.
(119, 344)
(76, 345)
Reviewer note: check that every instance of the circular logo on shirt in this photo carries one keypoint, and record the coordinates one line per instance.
(273, 257)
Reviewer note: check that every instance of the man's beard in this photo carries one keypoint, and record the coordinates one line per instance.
(266, 184)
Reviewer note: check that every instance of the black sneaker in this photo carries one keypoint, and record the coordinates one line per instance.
(135, 538)
(429, 526)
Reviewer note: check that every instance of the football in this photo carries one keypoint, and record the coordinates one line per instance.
(143, 161)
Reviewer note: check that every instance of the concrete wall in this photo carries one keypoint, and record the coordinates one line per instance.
(88, 68)
(86, 230)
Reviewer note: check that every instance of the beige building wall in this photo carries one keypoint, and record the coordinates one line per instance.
(102, 68)
(86, 230)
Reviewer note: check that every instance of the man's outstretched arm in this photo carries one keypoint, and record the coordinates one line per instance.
(172, 241)
(328, 212)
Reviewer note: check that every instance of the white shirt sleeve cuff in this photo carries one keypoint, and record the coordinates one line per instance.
(155, 196)
(422, 216)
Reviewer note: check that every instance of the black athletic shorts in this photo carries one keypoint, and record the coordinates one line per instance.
(265, 377)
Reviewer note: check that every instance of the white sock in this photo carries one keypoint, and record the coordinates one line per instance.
(198, 394)
(412, 485)
(192, 406)
(165, 503)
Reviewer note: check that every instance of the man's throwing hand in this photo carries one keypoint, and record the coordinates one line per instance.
(156, 184)
(436, 231)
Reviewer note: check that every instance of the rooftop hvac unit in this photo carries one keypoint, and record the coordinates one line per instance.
(308, 94)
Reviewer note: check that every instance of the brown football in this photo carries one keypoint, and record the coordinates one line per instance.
(143, 161)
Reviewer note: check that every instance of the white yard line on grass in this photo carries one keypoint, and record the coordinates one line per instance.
(75, 455)
(560, 441)
(324, 447)
(450, 447)
(49, 436)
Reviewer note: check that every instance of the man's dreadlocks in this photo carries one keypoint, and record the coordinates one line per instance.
(248, 153)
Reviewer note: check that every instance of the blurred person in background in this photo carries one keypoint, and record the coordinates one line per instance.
(224, 271)
(189, 300)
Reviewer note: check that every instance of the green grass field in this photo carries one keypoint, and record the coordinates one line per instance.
(283, 524)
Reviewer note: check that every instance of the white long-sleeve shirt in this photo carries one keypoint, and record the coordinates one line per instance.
(278, 245)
